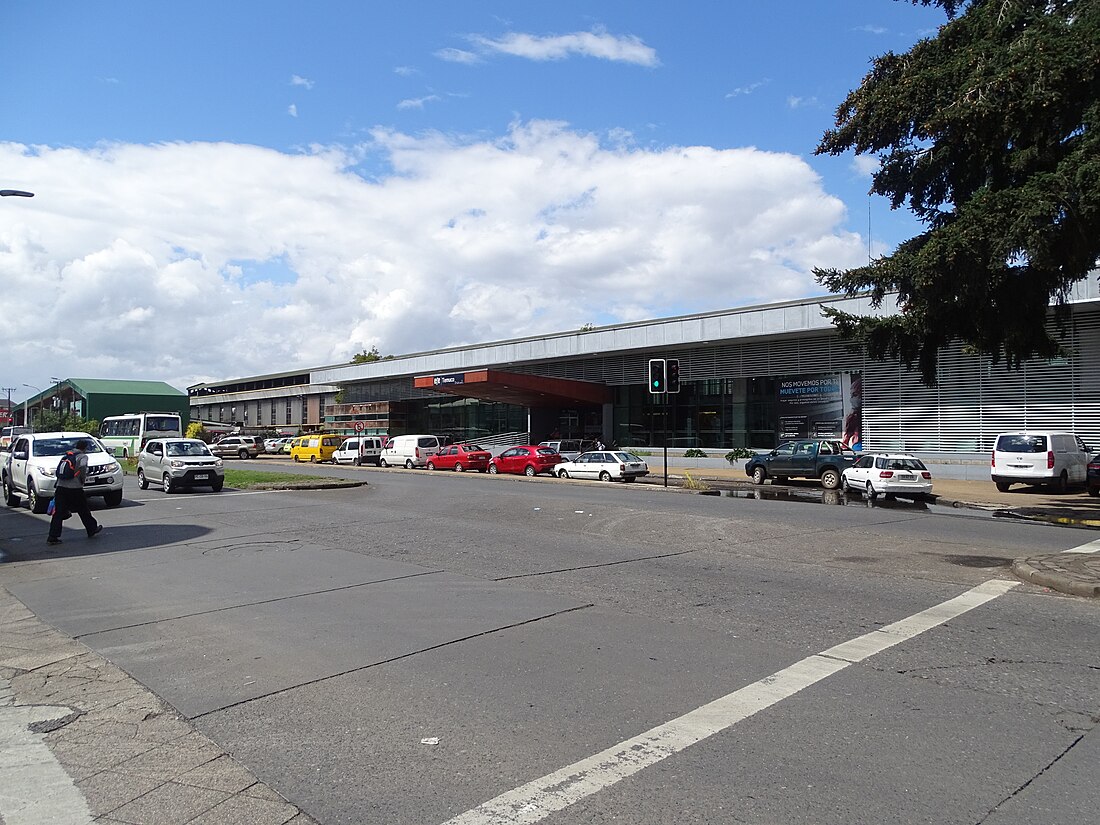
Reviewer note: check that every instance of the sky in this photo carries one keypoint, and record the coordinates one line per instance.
(233, 189)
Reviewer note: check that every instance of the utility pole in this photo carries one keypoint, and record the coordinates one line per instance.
(11, 418)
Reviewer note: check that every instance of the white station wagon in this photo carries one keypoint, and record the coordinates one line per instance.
(604, 466)
(888, 474)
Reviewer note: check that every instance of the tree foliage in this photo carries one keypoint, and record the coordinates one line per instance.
(369, 356)
(990, 133)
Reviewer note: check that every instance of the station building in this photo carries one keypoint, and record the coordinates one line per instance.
(750, 377)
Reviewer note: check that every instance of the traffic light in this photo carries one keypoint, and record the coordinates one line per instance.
(656, 375)
(672, 375)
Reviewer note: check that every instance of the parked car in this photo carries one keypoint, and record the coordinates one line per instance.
(461, 457)
(527, 460)
(567, 448)
(176, 463)
(32, 463)
(1038, 457)
(812, 458)
(287, 446)
(365, 449)
(237, 446)
(273, 445)
(316, 448)
(1092, 478)
(888, 474)
(603, 465)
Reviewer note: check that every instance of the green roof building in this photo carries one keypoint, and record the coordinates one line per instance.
(96, 398)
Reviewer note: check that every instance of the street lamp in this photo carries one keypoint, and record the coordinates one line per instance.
(15, 193)
(57, 401)
(27, 421)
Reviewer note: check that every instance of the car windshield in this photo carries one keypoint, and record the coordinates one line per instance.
(184, 448)
(904, 464)
(1022, 444)
(60, 446)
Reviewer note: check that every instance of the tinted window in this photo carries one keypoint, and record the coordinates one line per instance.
(427, 442)
(904, 464)
(1022, 443)
(546, 451)
(162, 423)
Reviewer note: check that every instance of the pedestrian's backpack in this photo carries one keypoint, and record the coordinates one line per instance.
(66, 468)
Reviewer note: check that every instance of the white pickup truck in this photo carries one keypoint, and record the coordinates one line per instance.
(30, 466)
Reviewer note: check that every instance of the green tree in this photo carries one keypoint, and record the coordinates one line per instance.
(988, 132)
(367, 356)
(51, 421)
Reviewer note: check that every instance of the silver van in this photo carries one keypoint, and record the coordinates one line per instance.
(1038, 457)
(410, 451)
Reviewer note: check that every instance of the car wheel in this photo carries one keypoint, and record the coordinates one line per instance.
(1002, 486)
(758, 475)
(166, 483)
(870, 493)
(113, 498)
(844, 485)
(493, 469)
(529, 471)
(431, 465)
(217, 485)
(408, 463)
(10, 498)
(37, 503)
(1061, 485)
(830, 479)
(459, 468)
(605, 476)
(242, 453)
(382, 463)
(313, 459)
(563, 474)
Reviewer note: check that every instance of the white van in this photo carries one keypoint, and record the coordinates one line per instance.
(365, 447)
(410, 451)
(1038, 457)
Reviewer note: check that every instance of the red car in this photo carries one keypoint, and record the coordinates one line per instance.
(528, 460)
(461, 457)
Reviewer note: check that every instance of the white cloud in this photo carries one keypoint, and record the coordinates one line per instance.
(747, 89)
(870, 28)
(297, 80)
(795, 102)
(458, 56)
(865, 165)
(193, 261)
(405, 71)
(599, 44)
(417, 102)
(292, 110)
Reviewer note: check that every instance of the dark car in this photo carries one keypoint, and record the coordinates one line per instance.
(1092, 477)
(527, 460)
(806, 458)
(460, 457)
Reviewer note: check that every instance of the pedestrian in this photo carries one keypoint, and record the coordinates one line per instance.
(68, 496)
(599, 444)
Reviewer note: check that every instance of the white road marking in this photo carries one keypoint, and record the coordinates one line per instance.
(538, 799)
(1091, 547)
(34, 787)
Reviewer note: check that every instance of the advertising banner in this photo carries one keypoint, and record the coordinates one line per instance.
(811, 406)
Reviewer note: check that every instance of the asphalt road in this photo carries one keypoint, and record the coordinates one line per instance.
(408, 651)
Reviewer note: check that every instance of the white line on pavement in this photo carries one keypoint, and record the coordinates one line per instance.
(178, 497)
(34, 787)
(1091, 547)
(538, 799)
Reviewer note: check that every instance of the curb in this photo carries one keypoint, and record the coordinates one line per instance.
(1031, 570)
(305, 485)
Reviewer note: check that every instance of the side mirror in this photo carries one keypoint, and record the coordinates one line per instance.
(109, 450)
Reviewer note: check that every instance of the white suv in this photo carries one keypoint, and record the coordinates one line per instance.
(30, 467)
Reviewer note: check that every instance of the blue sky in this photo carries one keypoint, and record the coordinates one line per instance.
(418, 175)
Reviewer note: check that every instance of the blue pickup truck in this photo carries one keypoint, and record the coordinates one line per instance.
(810, 458)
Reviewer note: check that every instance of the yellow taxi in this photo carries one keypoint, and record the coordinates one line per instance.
(315, 448)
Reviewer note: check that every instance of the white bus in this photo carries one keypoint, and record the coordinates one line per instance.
(128, 433)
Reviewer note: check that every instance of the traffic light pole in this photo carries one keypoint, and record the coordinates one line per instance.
(665, 439)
